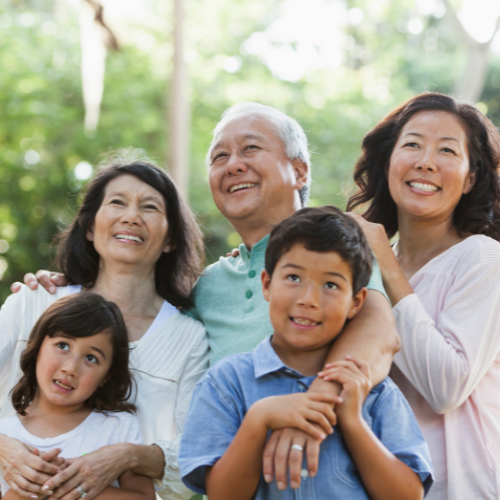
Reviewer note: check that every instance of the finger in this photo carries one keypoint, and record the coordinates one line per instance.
(58, 479)
(44, 278)
(33, 475)
(281, 458)
(58, 279)
(31, 281)
(318, 418)
(268, 455)
(51, 454)
(312, 454)
(323, 397)
(22, 492)
(327, 411)
(15, 287)
(363, 367)
(74, 494)
(295, 460)
(235, 252)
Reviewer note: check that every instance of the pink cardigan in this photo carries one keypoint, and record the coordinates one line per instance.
(449, 366)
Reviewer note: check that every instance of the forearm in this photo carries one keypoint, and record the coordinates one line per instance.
(113, 493)
(147, 460)
(237, 473)
(384, 476)
(370, 336)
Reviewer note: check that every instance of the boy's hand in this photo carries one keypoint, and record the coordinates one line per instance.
(300, 411)
(354, 375)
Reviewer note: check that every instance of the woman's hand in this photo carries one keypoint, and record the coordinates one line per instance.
(354, 375)
(47, 279)
(92, 472)
(24, 471)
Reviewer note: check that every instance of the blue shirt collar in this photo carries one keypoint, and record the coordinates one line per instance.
(258, 248)
(266, 361)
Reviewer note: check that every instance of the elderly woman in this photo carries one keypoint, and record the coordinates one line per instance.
(429, 172)
(134, 242)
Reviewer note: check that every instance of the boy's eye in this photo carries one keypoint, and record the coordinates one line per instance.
(63, 346)
(293, 277)
(91, 358)
(330, 285)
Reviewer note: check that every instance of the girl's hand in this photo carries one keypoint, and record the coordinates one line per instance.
(92, 472)
(301, 411)
(22, 469)
(354, 375)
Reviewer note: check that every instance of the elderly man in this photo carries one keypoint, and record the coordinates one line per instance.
(259, 174)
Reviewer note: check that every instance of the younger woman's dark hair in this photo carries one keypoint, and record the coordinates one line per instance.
(81, 315)
(175, 271)
(323, 229)
(478, 212)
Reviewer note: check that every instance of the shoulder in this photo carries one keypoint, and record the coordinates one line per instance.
(476, 248)
(232, 370)
(188, 330)
(215, 271)
(9, 424)
(115, 420)
(39, 299)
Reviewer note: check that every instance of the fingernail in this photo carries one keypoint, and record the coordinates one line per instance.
(45, 488)
(33, 496)
(320, 373)
(322, 436)
(52, 289)
(281, 486)
(294, 485)
(268, 478)
(312, 474)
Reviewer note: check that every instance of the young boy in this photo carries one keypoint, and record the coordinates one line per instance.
(317, 266)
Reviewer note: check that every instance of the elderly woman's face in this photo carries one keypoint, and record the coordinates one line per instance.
(131, 224)
(429, 166)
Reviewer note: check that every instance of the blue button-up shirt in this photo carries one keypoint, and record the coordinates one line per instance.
(226, 392)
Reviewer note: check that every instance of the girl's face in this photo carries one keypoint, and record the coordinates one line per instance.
(69, 370)
(131, 224)
(429, 166)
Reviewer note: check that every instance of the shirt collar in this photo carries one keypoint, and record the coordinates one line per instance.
(265, 360)
(258, 248)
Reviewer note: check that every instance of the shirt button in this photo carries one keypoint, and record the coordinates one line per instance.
(304, 473)
(302, 387)
(252, 274)
(249, 294)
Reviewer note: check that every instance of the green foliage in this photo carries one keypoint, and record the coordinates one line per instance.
(41, 128)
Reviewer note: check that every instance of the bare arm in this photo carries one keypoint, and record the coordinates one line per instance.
(132, 487)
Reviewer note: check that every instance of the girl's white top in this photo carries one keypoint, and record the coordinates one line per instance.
(449, 366)
(95, 431)
(166, 363)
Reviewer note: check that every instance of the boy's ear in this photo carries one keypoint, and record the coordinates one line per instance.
(266, 284)
(357, 303)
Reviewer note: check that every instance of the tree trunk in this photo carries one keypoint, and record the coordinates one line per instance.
(179, 108)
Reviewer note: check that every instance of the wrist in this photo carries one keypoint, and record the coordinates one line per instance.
(351, 423)
(258, 417)
(126, 456)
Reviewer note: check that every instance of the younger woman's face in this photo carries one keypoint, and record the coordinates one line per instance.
(69, 370)
(131, 225)
(429, 166)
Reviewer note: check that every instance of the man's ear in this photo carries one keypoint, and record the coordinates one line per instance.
(470, 183)
(301, 172)
(266, 284)
(90, 232)
(357, 303)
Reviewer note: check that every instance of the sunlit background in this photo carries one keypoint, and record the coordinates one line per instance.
(337, 66)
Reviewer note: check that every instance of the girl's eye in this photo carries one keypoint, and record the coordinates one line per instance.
(293, 277)
(63, 346)
(91, 358)
(330, 285)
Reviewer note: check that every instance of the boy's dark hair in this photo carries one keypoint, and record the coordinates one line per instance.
(81, 315)
(323, 229)
(175, 272)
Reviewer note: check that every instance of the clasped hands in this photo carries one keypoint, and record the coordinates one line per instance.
(310, 419)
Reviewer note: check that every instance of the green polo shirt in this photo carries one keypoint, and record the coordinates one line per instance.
(229, 302)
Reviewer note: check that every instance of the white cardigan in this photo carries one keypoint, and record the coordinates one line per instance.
(167, 364)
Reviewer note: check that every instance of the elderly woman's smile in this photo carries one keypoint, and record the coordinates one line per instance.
(131, 224)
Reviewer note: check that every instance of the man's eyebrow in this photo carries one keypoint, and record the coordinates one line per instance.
(441, 138)
(249, 135)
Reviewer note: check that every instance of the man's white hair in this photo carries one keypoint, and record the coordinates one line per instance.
(287, 129)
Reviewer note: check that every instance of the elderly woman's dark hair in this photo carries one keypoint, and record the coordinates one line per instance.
(81, 315)
(175, 271)
(478, 212)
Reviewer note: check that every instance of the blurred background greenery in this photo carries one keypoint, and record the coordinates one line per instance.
(337, 66)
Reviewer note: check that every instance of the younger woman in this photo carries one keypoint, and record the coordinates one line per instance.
(75, 387)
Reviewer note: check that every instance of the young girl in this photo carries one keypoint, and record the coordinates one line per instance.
(75, 389)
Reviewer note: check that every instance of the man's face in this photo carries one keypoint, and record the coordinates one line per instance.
(251, 176)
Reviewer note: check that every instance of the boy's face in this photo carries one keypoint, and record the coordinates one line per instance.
(310, 298)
